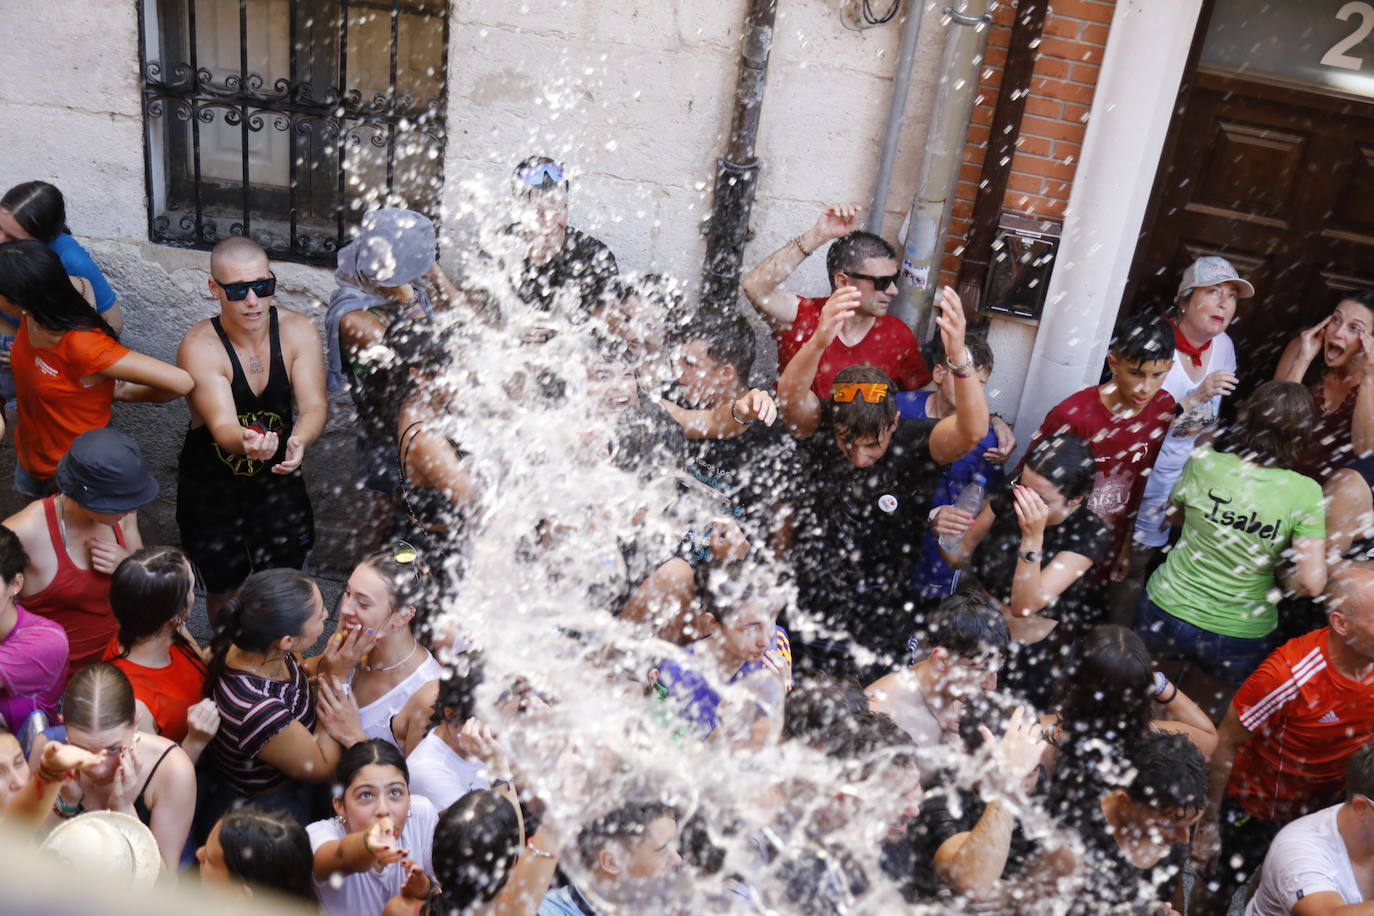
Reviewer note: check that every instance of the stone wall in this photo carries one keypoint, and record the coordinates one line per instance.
(635, 97)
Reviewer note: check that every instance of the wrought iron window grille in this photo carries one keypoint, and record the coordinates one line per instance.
(284, 119)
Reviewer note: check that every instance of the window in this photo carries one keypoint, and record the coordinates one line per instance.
(284, 119)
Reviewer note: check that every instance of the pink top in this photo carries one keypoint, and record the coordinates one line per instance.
(33, 668)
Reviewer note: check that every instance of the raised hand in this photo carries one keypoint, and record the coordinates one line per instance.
(127, 781)
(949, 318)
(106, 555)
(60, 759)
(338, 711)
(1311, 340)
(1006, 442)
(835, 221)
(347, 648)
(383, 841)
(727, 540)
(1021, 747)
(416, 883)
(841, 305)
(260, 446)
(950, 521)
(1216, 383)
(756, 405)
(202, 720)
(295, 453)
(1031, 513)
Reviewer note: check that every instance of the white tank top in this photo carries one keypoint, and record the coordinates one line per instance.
(376, 716)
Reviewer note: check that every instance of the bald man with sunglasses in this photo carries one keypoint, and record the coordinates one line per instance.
(259, 404)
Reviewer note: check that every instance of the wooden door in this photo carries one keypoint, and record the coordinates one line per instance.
(1279, 181)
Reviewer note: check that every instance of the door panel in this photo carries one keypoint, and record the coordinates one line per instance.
(1279, 181)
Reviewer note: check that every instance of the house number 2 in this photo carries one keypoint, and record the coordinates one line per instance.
(1337, 56)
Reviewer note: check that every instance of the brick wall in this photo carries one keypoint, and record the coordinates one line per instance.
(1066, 68)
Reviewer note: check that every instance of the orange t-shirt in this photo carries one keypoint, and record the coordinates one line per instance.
(1307, 719)
(54, 407)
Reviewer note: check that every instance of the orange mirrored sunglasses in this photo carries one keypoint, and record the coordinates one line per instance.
(873, 392)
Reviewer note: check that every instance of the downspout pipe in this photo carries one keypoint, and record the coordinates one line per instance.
(924, 242)
(737, 172)
(1001, 149)
(896, 109)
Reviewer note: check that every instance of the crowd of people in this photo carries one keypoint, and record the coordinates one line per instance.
(636, 629)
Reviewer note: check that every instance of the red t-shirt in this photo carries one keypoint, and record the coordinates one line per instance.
(54, 407)
(1125, 450)
(889, 345)
(1307, 719)
(167, 692)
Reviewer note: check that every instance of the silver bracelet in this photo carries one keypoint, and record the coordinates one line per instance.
(734, 416)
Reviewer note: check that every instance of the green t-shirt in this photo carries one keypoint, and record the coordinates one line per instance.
(1238, 520)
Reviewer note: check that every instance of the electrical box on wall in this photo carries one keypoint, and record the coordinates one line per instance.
(1018, 278)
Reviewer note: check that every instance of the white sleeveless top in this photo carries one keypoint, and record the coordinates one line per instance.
(376, 716)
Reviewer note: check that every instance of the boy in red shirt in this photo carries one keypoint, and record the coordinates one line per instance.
(1283, 748)
(1124, 420)
(869, 336)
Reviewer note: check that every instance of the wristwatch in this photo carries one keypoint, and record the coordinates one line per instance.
(1031, 556)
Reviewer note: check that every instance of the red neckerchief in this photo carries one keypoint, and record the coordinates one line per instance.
(1182, 345)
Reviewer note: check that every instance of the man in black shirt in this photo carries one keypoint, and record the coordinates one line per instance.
(737, 449)
(1136, 829)
(565, 270)
(865, 478)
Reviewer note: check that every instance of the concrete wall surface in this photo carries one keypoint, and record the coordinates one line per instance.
(636, 98)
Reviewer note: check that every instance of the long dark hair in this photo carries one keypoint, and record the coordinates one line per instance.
(1104, 709)
(270, 604)
(149, 588)
(269, 848)
(38, 207)
(475, 848)
(33, 278)
(1273, 425)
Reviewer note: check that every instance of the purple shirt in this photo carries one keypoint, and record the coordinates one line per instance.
(33, 668)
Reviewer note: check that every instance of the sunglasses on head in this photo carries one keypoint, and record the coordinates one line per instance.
(879, 283)
(538, 175)
(844, 392)
(237, 292)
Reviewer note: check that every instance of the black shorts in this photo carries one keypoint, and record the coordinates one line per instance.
(230, 532)
(1244, 842)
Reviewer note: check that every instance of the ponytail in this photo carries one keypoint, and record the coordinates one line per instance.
(270, 605)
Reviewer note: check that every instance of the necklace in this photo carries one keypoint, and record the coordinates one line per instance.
(415, 645)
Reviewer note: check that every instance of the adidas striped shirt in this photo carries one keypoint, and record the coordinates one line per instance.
(1307, 720)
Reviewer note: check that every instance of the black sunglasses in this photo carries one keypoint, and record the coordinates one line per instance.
(879, 283)
(237, 292)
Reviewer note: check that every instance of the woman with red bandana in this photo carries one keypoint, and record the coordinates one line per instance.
(1204, 372)
(1345, 406)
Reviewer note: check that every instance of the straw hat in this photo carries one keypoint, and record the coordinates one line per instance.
(110, 843)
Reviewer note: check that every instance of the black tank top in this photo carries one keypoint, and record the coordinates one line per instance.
(272, 411)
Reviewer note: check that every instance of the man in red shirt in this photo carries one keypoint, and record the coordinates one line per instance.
(1283, 748)
(869, 336)
(1124, 420)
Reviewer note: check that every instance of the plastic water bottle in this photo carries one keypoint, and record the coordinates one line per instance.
(971, 501)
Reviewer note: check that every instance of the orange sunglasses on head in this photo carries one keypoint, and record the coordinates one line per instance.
(844, 392)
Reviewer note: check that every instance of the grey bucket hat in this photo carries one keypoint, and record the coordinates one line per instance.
(1210, 271)
(395, 246)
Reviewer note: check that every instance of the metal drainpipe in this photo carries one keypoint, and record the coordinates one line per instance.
(901, 85)
(934, 196)
(737, 172)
